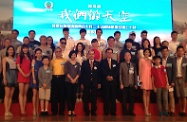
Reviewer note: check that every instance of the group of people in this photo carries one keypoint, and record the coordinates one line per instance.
(74, 71)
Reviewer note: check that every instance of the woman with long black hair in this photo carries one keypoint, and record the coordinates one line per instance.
(9, 78)
(24, 67)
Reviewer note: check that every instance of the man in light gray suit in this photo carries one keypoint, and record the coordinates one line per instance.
(181, 79)
(128, 83)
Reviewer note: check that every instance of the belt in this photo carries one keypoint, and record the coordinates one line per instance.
(57, 76)
(179, 77)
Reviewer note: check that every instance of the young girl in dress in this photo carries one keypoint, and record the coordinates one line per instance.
(145, 77)
(36, 64)
(23, 62)
(9, 78)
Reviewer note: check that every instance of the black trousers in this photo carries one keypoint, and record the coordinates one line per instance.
(109, 92)
(58, 86)
(128, 93)
(90, 92)
(2, 92)
(71, 95)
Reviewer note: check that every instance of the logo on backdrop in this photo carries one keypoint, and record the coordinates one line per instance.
(48, 6)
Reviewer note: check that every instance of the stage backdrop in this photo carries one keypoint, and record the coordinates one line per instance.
(50, 16)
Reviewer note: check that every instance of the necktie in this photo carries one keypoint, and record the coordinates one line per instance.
(91, 64)
(109, 63)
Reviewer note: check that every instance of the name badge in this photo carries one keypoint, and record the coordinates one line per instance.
(184, 64)
(62, 63)
(95, 68)
(131, 70)
(115, 52)
(134, 47)
(171, 55)
(48, 71)
(114, 65)
(132, 53)
(168, 65)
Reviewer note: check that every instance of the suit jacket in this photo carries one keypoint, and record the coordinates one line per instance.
(170, 69)
(183, 68)
(90, 76)
(106, 71)
(127, 76)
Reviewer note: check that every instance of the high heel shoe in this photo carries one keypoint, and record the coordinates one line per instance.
(10, 114)
(73, 113)
(69, 113)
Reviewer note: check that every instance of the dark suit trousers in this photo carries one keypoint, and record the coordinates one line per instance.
(109, 92)
(128, 93)
(2, 93)
(71, 95)
(58, 94)
(90, 92)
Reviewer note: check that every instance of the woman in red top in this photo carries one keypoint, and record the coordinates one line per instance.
(97, 52)
(24, 67)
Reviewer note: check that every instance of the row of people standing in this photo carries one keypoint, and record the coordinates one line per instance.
(111, 43)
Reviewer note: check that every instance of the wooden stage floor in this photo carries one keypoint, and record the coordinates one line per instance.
(90, 118)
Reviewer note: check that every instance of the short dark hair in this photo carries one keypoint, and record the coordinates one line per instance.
(62, 39)
(174, 32)
(82, 30)
(128, 40)
(8, 49)
(110, 37)
(179, 47)
(43, 36)
(45, 57)
(65, 29)
(32, 31)
(15, 30)
(71, 53)
(144, 31)
(98, 30)
(157, 57)
(163, 48)
(90, 51)
(26, 37)
(94, 40)
(117, 32)
(164, 42)
(148, 50)
(37, 49)
(108, 50)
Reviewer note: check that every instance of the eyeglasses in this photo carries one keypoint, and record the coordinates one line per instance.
(63, 42)
(58, 51)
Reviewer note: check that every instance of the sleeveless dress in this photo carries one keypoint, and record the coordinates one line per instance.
(26, 67)
(145, 74)
(37, 65)
(11, 72)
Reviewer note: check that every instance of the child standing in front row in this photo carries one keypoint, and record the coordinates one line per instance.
(45, 77)
(160, 85)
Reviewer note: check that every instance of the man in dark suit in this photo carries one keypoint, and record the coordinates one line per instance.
(181, 79)
(168, 62)
(90, 80)
(128, 83)
(110, 69)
